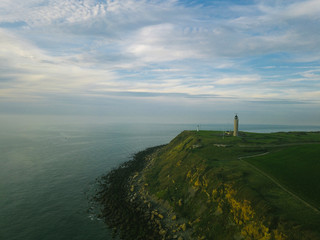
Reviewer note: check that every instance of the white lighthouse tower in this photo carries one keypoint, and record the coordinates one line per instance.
(236, 125)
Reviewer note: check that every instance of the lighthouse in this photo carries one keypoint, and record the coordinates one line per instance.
(236, 125)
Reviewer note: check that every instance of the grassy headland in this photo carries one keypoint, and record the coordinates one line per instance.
(204, 185)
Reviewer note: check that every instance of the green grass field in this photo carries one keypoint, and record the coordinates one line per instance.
(297, 168)
(190, 171)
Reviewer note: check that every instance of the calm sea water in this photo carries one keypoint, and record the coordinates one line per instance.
(46, 172)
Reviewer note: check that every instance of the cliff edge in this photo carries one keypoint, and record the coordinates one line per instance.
(205, 185)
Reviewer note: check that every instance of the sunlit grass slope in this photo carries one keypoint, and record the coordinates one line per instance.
(220, 197)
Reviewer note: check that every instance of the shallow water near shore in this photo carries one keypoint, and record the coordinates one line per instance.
(46, 172)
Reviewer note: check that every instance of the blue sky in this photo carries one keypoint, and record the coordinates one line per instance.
(162, 61)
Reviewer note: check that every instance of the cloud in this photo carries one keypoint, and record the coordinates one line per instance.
(159, 43)
(237, 80)
(278, 102)
(160, 49)
(32, 72)
(304, 9)
(139, 29)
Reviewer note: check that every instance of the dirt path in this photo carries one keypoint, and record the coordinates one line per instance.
(276, 182)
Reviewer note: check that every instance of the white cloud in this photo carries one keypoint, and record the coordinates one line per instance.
(44, 13)
(162, 42)
(89, 47)
(32, 72)
(308, 9)
(166, 31)
(239, 80)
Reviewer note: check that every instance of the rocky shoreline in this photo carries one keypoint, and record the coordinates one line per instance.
(129, 209)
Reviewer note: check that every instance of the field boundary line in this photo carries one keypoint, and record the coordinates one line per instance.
(276, 182)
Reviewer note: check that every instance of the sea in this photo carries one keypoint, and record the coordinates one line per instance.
(47, 172)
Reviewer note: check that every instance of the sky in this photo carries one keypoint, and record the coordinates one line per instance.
(164, 61)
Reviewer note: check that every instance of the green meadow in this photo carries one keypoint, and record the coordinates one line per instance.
(254, 186)
(297, 168)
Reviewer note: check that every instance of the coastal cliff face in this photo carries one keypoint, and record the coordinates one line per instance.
(197, 188)
(202, 187)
